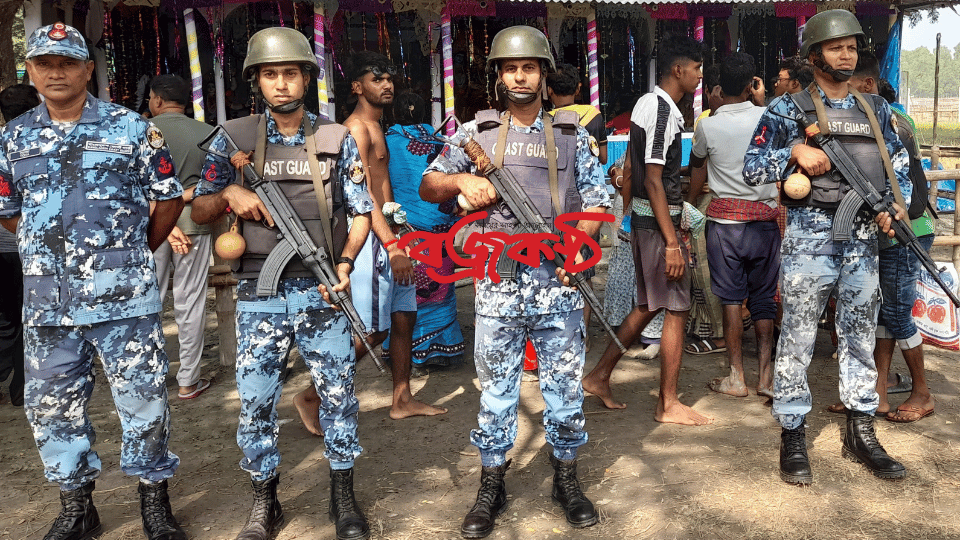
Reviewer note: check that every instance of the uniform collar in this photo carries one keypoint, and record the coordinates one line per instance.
(272, 123)
(537, 124)
(90, 114)
(673, 104)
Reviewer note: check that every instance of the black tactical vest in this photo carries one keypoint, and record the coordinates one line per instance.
(852, 128)
(525, 157)
(289, 166)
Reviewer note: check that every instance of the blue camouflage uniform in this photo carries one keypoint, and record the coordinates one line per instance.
(90, 288)
(267, 326)
(813, 264)
(533, 306)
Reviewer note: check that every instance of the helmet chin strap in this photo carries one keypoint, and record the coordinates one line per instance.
(839, 75)
(286, 108)
(520, 98)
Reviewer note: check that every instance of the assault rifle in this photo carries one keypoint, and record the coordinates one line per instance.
(294, 240)
(844, 168)
(508, 189)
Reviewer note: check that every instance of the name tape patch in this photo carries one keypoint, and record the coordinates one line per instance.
(24, 154)
(98, 146)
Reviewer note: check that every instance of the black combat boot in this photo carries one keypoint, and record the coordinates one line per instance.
(78, 519)
(491, 502)
(266, 516)
(350, 522)
(794, 463)
(158, 520)
(860, 444)
(566, 491)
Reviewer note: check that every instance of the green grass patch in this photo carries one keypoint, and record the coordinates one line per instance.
(948, 133)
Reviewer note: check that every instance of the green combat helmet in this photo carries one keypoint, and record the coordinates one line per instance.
(279, 45)
(827, 25)
(520, 42)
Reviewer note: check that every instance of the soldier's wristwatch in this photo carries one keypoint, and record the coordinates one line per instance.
(347, 260)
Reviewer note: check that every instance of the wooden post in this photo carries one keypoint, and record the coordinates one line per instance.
(935, 149)
(222, 281)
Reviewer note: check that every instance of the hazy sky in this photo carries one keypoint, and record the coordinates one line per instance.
(925, 33)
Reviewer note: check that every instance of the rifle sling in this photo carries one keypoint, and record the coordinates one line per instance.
(318, 190)
(884, 153)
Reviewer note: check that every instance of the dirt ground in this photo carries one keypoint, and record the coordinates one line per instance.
(417, 477)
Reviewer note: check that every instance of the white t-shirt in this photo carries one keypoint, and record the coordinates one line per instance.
(723, 138)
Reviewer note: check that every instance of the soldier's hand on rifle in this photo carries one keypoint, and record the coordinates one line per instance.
(343, 272)
(675, 262)
(246, 204)
(478, 191)
(885, 222)
(813, 160)
(562, 274)
(401, 265)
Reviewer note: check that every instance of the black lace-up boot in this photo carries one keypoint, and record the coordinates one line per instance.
(266, 516)
(860, 444)
(350, 522)
(566, 491)
(491, 502)
(158, 520)
(78, 519)
(794, 463)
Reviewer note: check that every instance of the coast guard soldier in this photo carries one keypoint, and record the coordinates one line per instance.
(77, 178)
(280, 62)
(536, 305)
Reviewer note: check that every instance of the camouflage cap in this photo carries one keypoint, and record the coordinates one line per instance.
(57, 39)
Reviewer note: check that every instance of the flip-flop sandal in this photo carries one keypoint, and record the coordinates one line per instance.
(704, 346)
(904, 384)
(838, 408)
(202, 386)
(909, 409)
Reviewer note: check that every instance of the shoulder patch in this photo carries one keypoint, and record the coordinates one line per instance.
(356, 171)
(594, 146)
(893, 121)
(154, 137)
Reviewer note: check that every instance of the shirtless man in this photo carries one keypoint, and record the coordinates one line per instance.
(372, 87)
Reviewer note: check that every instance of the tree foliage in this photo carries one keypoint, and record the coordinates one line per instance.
(918, 69)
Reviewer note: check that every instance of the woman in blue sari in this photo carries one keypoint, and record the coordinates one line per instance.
(437, 339)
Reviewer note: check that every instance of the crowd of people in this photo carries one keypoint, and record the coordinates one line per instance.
(754, 231)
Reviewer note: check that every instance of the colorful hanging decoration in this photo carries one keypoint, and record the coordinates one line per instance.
(447, 39)
(698, 93)
(195, 73)
(108, 49)
(795, 10)
(526, 10)
(592, 58)
(367, 6)
(667, 11)
(471, 8)
(319, 50)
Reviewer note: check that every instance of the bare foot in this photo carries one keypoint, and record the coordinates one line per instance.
(730, 386)
(765, 391)
(678, 413)
(602, 391)
(308, 405)
(413, 407)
